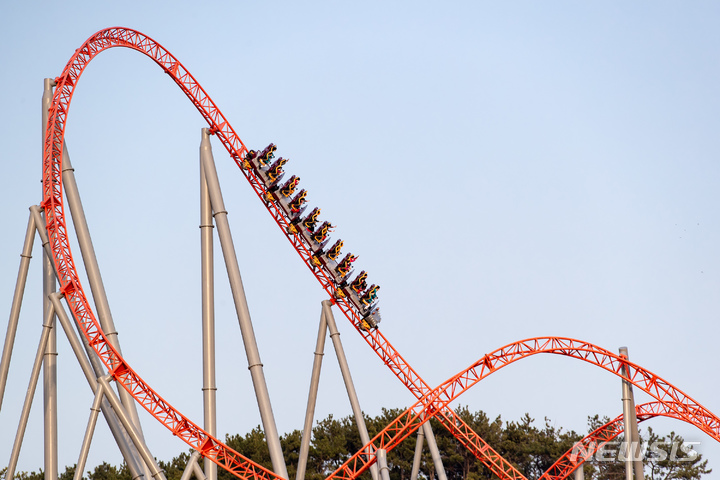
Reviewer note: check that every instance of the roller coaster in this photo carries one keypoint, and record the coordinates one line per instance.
(352, 294)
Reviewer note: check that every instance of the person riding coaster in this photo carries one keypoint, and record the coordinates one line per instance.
(289, 187)
(268, 154)
(297, 202)
(311, 220)
(321, 235)
(334, 251)
(276, 171)
(249, 156)
(345, 265)
(370, 296)
(360, 282)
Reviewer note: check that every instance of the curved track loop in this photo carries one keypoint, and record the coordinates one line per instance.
(680, 404)
(71, 287)
(431, 403)
(598, 438)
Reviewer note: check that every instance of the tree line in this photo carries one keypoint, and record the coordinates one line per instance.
(530, 448)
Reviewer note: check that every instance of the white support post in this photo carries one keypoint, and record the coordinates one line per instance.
(34, 375)
(124, 418)
(381, 456)
(50, 415)
(208, 317)
(347, 377)
(418, 454)
(91, 373)
(580, 472)
(241, 307)
(312, 397)
(432, 446)
(89, 431)
(25, 256)
(633, 459)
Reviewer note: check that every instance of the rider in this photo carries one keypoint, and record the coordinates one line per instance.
(311, 220)
(371, 295)
(267, 154)
(360, 282)
(322, 232)
(334, 251)
(344, 266)
(297, 202)
(289, 186)
(276, 169)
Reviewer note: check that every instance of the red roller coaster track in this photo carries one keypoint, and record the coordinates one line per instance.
(682, 405)
(432, 402)
(598, 438)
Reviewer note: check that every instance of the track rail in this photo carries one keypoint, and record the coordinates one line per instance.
(679, 403)
(431, 403)
(71, 286)
(598, 438)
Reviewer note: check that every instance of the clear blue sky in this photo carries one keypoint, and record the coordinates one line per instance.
(503, 169)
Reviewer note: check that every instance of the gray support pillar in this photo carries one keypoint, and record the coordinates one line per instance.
(349, 386)
(193, 467)
(130, 428)
(312, 398)
(633, 451)
(50, 360)
(95, 281)
(50, 379)
(89, 431)
(580, 472)
(16, 304)
(208, 319)
(96, 364)
(241, 307)
(381, 456)
(121, 437)
(34, 376)
(418, 454)
(432, 446)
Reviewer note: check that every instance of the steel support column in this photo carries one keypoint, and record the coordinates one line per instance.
(241, 308)
(208, 317)
(89, 431)
(97, 287)
(418, 454)
(580, 472)
(50, 360)
(25, 256)
(381, 456)
(30, 393)
(633, 452)
(91, 372)
(312, 397)
(349, 386)
(124, 418)
(432, 446)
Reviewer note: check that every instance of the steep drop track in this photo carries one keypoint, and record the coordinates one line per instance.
(432, 402)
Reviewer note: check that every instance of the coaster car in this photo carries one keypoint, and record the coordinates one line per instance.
(371, 320)
(321, 235)
(311, 220)
(360, 283)
(266, 155)
(288, 187)
(370, 296)
(334, 252)
(345, 265)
